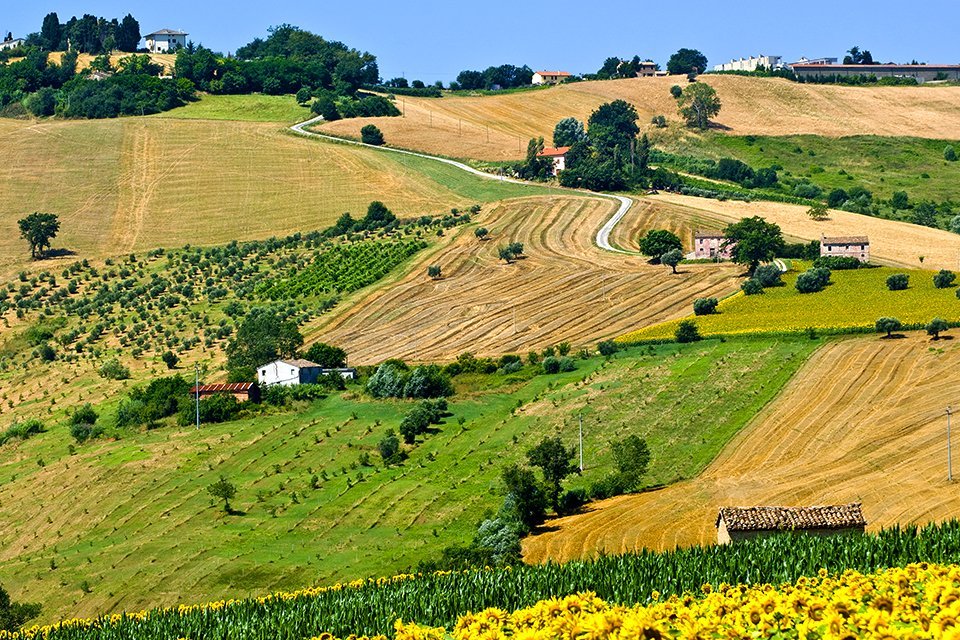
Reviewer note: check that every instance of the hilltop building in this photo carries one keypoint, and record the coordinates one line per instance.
(647, 69)
(743, 523)
(919, 72)
(709, 245)
(846, 247)
(10, 42)
(549, 77)
(770, 63)
(298, 371)
(558, 155)
(814, 61)
(242, 391)
(165, 41)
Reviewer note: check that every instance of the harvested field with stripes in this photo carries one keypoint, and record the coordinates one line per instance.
(498, 127)
(863, 420)
(565, 289)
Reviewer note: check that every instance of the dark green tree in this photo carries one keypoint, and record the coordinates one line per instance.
(686, 61)
(262, 337)
(704, 306)
(170, 359)
(389, 448)
(555, 462)
(327, 356)
(613, 125)
(568, 132)
(697, 104)
(754, 241)
(944, 278)
(128, 34)
(900, 200)
(536, 167)
(371, 134)
(224, 490)
(936, 326)
(632, 456)
(657, 242)
(898, 282)
(50, 32)
(38, 229)
(13, 615)
(527, 495)
(672, 258)
(687, 332)
(888, 325)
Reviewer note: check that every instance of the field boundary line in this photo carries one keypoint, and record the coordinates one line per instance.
(602, 239)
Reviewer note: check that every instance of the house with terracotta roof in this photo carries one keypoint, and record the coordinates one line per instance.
(846, 247)
(550, 77)
(558, 155)
(710, 245)
(743, 523)
(242, 391)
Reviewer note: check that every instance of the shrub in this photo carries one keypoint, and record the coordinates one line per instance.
(170, 359)
(389, 448)
(47, 353)
(481, 233)
(768, 275)
(371, 134)
(949, 153)
(551, 364)
(944, 279)
(608, 347)
(838, 263)
(81, 432)
(676, 91)
(214, 409)
(751, 287)
(22, 430)
(888, 325)
(388, 381)
(571, 501)
(428, 381)
(936, 326)
(614, 484)
(814, 280)
(660, 122)
(687, 332)
(704, 306)
(898, 282)
(434, 271)
(567, 364)
(84, 414)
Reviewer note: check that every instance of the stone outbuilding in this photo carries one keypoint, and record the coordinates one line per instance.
(743, 523)
(242, 391)
(709, 245)
(846, 247)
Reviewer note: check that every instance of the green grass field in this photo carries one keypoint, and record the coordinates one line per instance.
(138, 527)
(881, 164)
(855, 299)
(246, 108)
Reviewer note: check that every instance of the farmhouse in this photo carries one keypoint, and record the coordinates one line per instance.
(298, 371)
(165, 41)
(742, 523)
(709, 244)
(242, 391)
(647, 69)
(769, 63)
(10, 42)
(919, 72)
(549, 77)
(558, 155)
(846, 247)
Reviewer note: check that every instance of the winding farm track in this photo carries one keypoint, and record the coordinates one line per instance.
(862, 421)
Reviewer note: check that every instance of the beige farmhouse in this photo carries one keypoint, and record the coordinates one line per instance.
(710, 244)
(743, 523)
(846, 247)
(549, 77)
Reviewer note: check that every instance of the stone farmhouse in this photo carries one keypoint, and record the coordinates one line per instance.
(709, 244)
(298, 371)
(549, 77)
(743, 523)
(165, 41)
(242, 391)
(558, 155)
(846, 247)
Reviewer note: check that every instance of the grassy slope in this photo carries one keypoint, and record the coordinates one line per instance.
(138, 526)
(249, 108)
(855, 299)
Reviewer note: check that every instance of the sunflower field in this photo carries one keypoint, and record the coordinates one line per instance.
(653, 589)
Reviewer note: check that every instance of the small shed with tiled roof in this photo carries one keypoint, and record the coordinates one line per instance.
(242, 391)
(741, 523)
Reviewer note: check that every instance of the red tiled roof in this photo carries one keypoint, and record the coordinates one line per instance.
(554, 73)
(845, 240)
(230, 387)
(791, 518)
(551, 152)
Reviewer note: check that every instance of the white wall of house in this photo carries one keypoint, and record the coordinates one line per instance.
(286, 374)
(164, 43)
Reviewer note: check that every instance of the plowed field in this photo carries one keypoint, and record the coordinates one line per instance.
(863, 420)
(566, 289)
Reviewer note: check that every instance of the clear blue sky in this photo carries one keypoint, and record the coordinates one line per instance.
(434, 39)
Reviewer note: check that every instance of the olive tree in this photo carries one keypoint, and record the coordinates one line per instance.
(888, 325)
(672, 258)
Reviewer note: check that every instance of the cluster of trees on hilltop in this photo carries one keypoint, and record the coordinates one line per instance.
(88, 34)
(617, 68)
(506, 76)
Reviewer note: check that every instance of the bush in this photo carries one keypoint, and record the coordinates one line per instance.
(571, 501)
(371, 134)
(612, 485)
(567, 364)
(704, 306)
(898, 282)
(170, 359)
(47, 353)
(751, 287)
(22, 430)
(389, 448)
(768, 275)
(838, 263)
(944, 279)
(687, 332)
(949, 153)
(676, 91)
(84, 414)
(660, 122)
(428, 381)
(551, 365)
(388, 381)
(607, 347)
(81, 432)
(814, 280)
(214, 409)
(888, 325)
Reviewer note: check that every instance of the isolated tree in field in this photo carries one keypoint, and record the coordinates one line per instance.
(389, 448)
(327, 356)
(686, 61)
(672, 258)
(751, 287)
(555, 462)
(768, 275)
(434, 271)
(697, 104)
(818, 212)
(505, 254)
(936, 326)
(657, 242)
(224, 490)
(516, 248)
(813, 280)
(944, 279)
(527, 495)
(371, 134)
(755, 240)
(888, 325)
(687, 332)
(482, 233)
(38, 229)
(568, 132)
(676, 90)
(898, 282)
(170, 359)
(949, 153)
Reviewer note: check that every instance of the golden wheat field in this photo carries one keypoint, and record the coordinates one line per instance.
(566, 289)
(863, 420)
(498, 127)
(891, 242)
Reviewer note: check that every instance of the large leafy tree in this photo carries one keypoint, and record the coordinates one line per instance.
(128, 34)
(755, 240)
(555, 462)
(687, 61)
(568, 132)
(697, 104)
(263, 336)
(526, 495)
(658, 242)
(327, 356)
(613, 125)
(38, 229)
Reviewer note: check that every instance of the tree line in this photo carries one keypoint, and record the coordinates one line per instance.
(87, 34)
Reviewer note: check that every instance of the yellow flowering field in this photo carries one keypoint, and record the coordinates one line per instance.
(854, 299)
(918, 601)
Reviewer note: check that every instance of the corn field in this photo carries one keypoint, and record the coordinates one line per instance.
(371, 607)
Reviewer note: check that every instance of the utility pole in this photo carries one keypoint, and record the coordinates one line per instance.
(580, 416)
(949, 457)
(196, 388)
